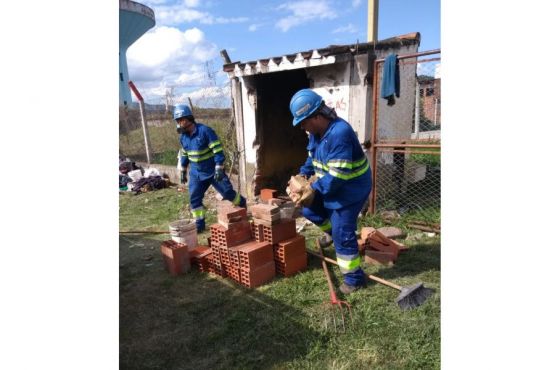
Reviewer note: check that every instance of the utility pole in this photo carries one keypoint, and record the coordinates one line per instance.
(144, 125)
(373, 11)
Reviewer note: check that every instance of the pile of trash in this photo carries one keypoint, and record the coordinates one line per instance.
(135, 179)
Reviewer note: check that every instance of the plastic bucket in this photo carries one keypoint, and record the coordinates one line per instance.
(184, 232)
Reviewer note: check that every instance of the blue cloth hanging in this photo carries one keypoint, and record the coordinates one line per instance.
(390, 85)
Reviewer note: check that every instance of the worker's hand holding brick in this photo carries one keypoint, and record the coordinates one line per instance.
(300, 191)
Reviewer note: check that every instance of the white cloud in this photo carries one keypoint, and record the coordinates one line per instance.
(174, 15)
(191, 3)
(254, 27)
(166, 57)
(303, 12)
(223, 20)
(210, 97)
(350, 28)
(356, 3)
(178, 13)
(152, 3)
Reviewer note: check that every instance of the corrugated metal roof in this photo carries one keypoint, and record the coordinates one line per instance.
(309, 58)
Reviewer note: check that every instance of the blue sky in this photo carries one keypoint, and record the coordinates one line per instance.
(181, 53)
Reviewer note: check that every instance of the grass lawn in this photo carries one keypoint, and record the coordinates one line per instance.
(201, 321)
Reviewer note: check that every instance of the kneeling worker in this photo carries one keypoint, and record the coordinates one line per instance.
(343, 180)
(201, 148)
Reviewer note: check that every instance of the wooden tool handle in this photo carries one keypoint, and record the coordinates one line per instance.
(372, 277)
(334, 298)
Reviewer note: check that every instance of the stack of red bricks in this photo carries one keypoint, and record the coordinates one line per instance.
(179, 258)
(286, 206)
(377, 248)
(248, 252)
(290, 255)
(241, 258)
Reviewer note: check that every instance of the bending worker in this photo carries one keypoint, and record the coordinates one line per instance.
(343, 180)
(201, 148)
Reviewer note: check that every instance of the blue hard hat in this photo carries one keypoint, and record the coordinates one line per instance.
(181, 110)
(303, 104)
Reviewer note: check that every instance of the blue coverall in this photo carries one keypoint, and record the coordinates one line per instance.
(342, 188)
(203, 150)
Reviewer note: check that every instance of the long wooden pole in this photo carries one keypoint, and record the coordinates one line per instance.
(144, 125)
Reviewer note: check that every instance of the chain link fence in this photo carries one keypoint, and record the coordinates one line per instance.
(163, 135)
(406, 140)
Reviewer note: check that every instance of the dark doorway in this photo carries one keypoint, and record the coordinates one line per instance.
(281, 147)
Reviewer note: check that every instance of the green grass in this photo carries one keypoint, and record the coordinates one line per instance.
(164, 140)
(206, 322)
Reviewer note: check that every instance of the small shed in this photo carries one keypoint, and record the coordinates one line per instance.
(270, 148)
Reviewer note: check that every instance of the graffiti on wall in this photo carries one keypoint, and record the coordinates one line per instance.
(337, 98)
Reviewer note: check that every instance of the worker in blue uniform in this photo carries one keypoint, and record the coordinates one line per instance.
(343, 182)
(202, 150)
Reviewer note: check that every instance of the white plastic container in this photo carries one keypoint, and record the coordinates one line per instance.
(135, 175)
(184, 232)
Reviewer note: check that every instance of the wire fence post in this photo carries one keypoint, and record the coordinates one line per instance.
(143, 118)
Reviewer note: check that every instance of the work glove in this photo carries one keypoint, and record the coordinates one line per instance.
(183, 177)
(219, 173)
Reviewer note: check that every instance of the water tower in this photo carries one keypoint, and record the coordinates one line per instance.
(134, 20)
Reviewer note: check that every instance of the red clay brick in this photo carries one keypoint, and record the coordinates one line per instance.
(380, 243)
(293, 266)
(276, 219)
(232, 214)
(233, 273)
(203, 262)
(364, 233)
(197, 252)
(379, 258)
(176, 257)
(224, 255)
(217, 268)
(287, 249)
(362, 246)
(265, 212)
(255, 254)
(233, 236)
(258, 276)
(267, 194)
(257, 232)
(234, 255)
(283, 230)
